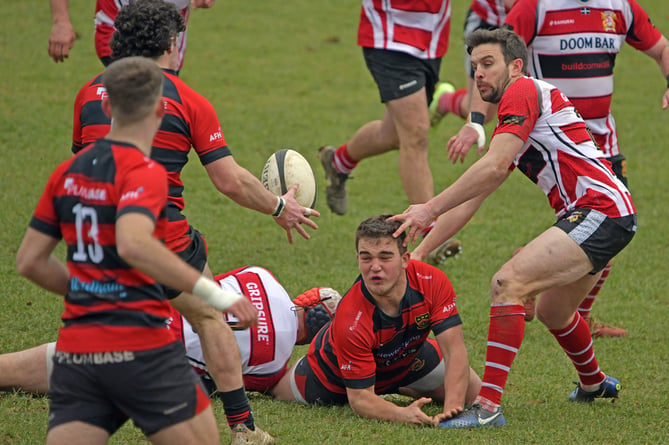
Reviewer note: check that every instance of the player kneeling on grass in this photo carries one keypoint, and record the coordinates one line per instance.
(377, 343)
(265, 348)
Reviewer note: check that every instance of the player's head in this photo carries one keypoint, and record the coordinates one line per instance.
(382, 259)
(498, 57)
(378, 227)
(315, 308)
(147, 28)
(134, 87)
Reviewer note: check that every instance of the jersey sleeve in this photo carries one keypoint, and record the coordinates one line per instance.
(522, 19)
(519, 109)
(77, 137)
(443, 312)
(45, 219)
(208, 140)
(143, 189)
(642, 34)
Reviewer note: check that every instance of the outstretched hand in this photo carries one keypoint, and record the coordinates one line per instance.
(61, 40)
(415, 414)
(415, 218)
(294, 215)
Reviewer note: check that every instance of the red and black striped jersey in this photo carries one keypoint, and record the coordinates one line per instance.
(189, 121)
(110, 306)
(362, 346)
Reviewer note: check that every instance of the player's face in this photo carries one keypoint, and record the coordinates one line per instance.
(382, 266)
(491, 73)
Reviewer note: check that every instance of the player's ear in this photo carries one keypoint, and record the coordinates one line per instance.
(106, 108)
(517, 67)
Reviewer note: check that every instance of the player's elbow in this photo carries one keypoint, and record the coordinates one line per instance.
(130, 250)
(26, 264)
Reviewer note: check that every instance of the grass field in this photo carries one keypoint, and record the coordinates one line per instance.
(289, 74)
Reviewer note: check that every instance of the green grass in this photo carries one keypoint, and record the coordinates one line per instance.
(289, 74)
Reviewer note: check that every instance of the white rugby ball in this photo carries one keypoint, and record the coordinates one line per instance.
(285, 168)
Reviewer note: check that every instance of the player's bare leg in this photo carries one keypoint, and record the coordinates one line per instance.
(200, 429)
(77, 433)
(26, 370)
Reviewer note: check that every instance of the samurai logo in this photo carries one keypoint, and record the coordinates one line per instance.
(512, 119)
(423, 320)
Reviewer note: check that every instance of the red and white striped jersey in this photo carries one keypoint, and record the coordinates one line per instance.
(558, 154)
(573, 45)
(105, 15)
(492, 12)
(266, 347)
(418, 28)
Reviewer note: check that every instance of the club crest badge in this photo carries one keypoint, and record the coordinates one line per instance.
(423, 320)
(609, 21)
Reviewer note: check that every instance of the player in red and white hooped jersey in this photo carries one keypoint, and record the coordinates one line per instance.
(403, 44)
(541, 134)
(282, 323)
(573, 45)
(491, 12)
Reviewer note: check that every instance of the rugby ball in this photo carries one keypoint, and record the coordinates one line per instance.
(285, 168)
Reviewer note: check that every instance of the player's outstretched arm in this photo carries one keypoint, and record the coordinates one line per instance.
(366, 403)
(660, 53)
(62, 36)
(237, 183)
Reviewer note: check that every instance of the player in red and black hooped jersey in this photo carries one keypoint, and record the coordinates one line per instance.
(82, 201)
(378, 343)
(190, 121)
(107, 203)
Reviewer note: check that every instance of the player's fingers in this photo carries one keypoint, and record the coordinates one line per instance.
(303, 232)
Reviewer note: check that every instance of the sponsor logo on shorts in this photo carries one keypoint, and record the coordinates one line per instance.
(404, 86)
(94, 358)
(574, 217)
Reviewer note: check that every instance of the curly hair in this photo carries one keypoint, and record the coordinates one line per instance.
(146, 28)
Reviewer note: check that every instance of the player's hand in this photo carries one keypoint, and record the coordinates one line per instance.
(245, 312)
(665, 100)
(294, 215)
(61, 40)
(195, 4)
(458, 146)
(415, 415)
(415, 218)
(448, 413)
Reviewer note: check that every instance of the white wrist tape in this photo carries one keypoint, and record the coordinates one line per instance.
(481, 132)
(213, 295)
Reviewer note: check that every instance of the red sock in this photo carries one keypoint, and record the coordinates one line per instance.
(576, 341)
(452, 102)
(586, 305)
(343, 162)
(505, 335)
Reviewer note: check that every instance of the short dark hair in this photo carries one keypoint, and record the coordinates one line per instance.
(380, 226)
(146, 28)
(134, 85)
(512, 45)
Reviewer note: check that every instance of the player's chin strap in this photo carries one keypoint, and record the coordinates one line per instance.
(475, 121)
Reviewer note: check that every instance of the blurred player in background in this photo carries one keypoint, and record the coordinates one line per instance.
(378, 340)
(150, 28)
(403, 44)
(540, 132)
(62, 35)
(265, 347)
(114, 357)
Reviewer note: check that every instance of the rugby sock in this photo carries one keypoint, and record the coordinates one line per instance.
(505, 335)
(452, 102)
(428, 229)
(237, 408)
(344, 163)
(586, 305)
(576, 341)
